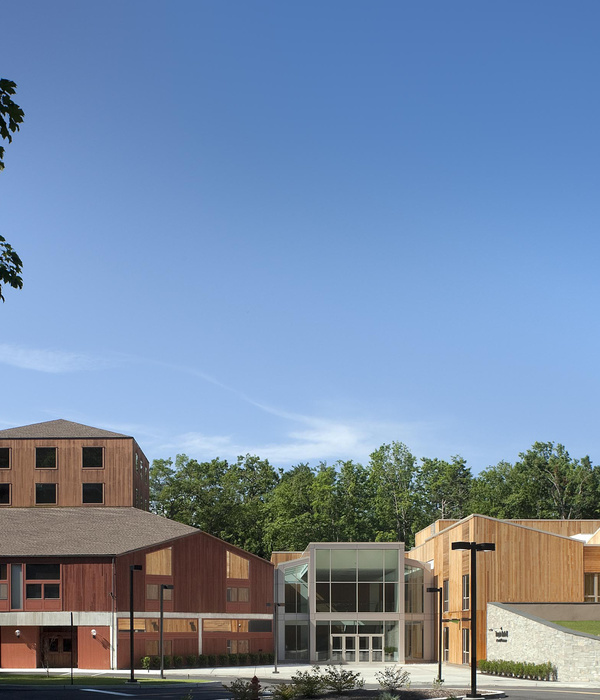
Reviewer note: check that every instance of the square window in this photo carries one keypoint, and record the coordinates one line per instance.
(4, 457)
(93, 493)
(33, 590)
(52, 590)
(4, 494)
(3, 591)
(92, 457)
(45, 494)
(45, 457)
(152, 591)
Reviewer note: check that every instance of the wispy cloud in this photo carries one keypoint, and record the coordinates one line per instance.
(314, 440)
(49, 361)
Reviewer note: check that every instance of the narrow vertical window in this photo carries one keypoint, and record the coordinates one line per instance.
(4, 457)
(16, 586)
(446, 594)
(4, 494)
(465, 592)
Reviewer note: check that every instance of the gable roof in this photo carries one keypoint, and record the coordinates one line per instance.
(77, 531)
(57, 429)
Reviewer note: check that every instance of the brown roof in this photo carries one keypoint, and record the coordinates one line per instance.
(57, 429)
(37, 532)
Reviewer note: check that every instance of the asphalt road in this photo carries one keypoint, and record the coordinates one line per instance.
(207, 691)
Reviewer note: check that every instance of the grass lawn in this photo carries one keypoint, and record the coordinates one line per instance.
(43, 679)
(588, 626)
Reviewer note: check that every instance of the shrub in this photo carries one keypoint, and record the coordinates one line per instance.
(222, 659)
(386, 695)
(519, 669)
(211, 660)
(191, 661)
(202, 660)
(253, 659)
(168, 661)
(308, 683)
(393, 678)
(341, 679)
(241, 690)
(145, 662)
(243, 659)
(233, 660)
(177, 661)
(155, 662)
(284, 691)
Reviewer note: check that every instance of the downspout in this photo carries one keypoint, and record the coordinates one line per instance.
(113, 628)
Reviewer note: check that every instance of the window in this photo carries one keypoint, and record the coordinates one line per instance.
(4, 457)
(3, 586)
(446, 643)
(45, 457)
(446, 594)
(92, 457)
(4, 494)
(238, 595)
(92, 493)
(296, 589)
(465, 592)
(465, 645)
(47, 578)
(153, 592)
(592, 588)
(259, 625)
(42, 572)
(45, 494)
(238, 646)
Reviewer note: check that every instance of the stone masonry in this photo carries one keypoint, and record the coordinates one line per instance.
(516, 636)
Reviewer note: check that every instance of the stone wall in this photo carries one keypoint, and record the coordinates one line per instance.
(513, 635)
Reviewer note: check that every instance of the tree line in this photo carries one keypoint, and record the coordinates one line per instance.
(256, 506)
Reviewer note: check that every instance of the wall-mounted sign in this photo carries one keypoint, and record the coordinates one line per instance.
(501, 635)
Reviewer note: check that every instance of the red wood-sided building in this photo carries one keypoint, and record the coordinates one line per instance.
(74, 515)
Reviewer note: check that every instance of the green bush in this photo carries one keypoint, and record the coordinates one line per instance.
(191, 661)
(233, 660)
(242, 690)
(168, 661)
(341, 680)
(177, 661)
(202, 660)
(155, 662)
(308, 683)
(393, 678)
(519, 669)
(211, 660)
(222, 659)
(284, 691)
(145, 662)
(253, 659)
(243, 659)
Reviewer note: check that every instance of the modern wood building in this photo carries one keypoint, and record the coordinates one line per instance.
(535, 561)
(73, 511)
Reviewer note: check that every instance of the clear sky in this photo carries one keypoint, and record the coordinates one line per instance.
(303, 229)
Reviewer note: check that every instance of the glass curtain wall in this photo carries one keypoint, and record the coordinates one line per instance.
(356, 580)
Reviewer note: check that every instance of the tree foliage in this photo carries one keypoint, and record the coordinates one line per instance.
(11, 116)
(251, 504)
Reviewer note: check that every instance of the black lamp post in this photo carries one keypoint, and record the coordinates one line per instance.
(474, 547)
(163, 587)
(132, 568)
(440, 611)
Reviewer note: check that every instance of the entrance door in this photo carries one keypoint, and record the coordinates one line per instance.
(345, 646)
(56, 648)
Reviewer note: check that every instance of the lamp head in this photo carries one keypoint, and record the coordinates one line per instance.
(461, 545)
(94, 634)
(17, 633)
(135, 567)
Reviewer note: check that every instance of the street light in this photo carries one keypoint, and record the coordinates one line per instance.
(440, 611)
(163, 587)
(474, 547)
(275, 636)
(132, 568)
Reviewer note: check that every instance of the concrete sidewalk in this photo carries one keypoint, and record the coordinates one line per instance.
(421, 675)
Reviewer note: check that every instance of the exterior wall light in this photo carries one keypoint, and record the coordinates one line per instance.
(94, 634)
(17, 633)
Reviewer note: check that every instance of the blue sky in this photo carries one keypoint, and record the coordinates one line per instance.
(304, 229)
